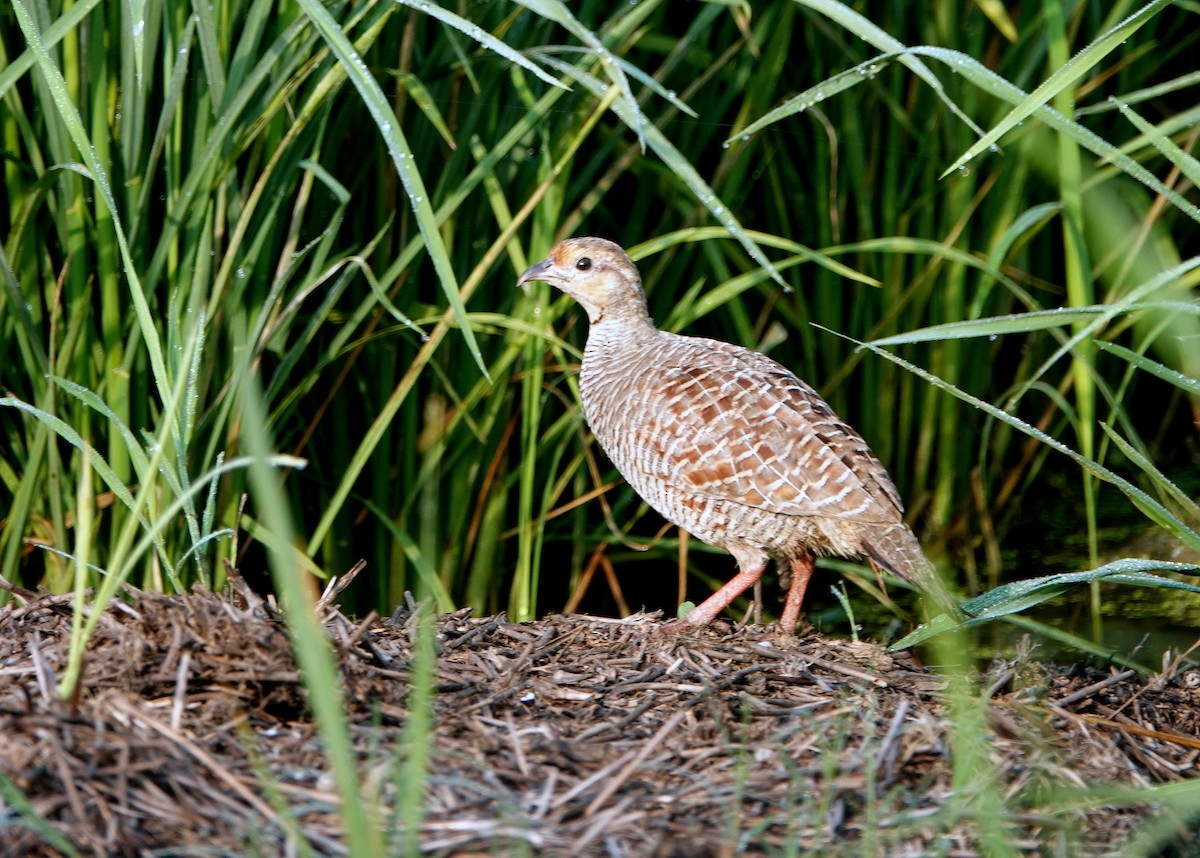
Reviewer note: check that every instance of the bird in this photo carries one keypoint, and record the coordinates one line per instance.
(725, 442)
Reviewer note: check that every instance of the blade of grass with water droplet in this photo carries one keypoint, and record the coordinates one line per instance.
(1075, 68)
(869, 32)
(1187, 163)
(555, 11)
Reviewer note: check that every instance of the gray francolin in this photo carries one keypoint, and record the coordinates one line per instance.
(725, 442)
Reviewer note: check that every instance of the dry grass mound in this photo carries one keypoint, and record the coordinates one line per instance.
(572, 735)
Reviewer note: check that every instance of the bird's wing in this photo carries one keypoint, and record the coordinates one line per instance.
(735, 425)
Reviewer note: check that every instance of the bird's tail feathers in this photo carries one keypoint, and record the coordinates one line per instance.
(896, 550)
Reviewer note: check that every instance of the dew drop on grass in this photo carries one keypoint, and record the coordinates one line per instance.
(241, 273)
(138, 28)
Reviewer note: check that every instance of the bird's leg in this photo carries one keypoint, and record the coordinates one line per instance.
(802, 569)
(707, 611)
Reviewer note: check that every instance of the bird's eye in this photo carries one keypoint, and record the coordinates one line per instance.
(584, 264)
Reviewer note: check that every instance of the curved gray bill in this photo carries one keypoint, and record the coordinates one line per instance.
(536, 271)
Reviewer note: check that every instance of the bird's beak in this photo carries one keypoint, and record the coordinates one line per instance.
(537, 271)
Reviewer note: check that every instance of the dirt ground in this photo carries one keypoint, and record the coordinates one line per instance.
(570, 736)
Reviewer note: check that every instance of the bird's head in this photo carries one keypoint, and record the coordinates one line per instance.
(595, 272)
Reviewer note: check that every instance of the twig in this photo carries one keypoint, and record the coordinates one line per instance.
(1084, 693)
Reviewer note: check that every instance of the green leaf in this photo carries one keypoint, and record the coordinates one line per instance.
(483, 37)
(1186, 163)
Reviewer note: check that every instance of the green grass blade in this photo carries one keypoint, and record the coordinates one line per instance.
(666, 240)
(425, 102)
(69, 114)
(814, 95)
(397, 145)
(1158, 479)
(309, 639)
(431, 584)
(634, 72)
(681, 167)
(1071, 71)
(1187, 164)
(866, 30)
(1155, 511)
(20, 806)
(1140, 95)
(992, 83)
(1184, 382)
(68, 433)
(555, 11)
(995, 326)
(210, 54)
(483, 37)
(1021, 595)
(68, 21)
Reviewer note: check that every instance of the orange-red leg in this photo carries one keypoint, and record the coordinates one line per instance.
(706, 611)
(802, 569)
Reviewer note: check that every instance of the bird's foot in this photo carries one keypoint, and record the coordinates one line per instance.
(791, 632)
(674, 627)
